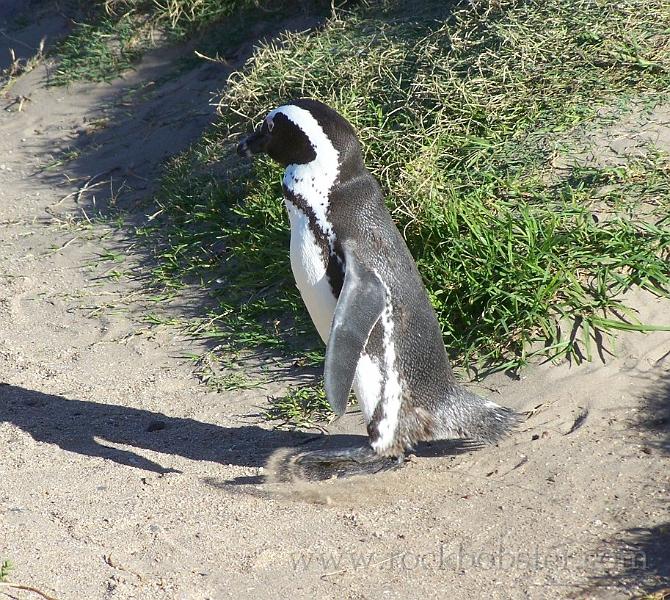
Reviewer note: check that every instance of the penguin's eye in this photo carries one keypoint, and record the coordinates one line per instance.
(270, 124)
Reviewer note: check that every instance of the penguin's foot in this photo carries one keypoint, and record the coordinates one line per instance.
(317, 465)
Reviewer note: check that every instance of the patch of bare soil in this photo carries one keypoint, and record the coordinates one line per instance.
(121, 477)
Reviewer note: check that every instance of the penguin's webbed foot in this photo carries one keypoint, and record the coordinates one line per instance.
(319, 465)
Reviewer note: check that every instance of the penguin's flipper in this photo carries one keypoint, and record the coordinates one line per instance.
(359, 307)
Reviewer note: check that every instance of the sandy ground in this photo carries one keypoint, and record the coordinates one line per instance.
(122, 477)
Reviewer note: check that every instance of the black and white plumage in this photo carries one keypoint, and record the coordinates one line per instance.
(364, 293)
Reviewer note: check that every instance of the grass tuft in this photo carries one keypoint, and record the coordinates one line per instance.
(181, 17)
(304, 406)
(114, 34)
(16, 68)
(5, 570)
(100, 51)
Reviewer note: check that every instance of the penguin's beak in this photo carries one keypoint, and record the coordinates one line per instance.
(255, 143)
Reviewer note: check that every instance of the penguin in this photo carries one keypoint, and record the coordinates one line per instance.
(365, 296)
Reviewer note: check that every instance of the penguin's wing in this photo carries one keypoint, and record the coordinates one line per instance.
(359, 307)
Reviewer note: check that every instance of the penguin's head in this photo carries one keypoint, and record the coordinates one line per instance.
(301, 132)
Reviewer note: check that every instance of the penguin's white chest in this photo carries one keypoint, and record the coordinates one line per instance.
(309, 270)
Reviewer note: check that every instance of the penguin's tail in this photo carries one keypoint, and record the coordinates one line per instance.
(289, 464)
(465, 414)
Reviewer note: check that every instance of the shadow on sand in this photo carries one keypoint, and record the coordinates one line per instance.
(638, 559)
(655, 415)
(83, 427)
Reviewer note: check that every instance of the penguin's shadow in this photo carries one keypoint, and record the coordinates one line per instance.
(86, 427)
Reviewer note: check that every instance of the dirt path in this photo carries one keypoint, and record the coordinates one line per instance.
(121, 477)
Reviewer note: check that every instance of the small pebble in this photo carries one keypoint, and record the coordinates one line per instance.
(156, 426)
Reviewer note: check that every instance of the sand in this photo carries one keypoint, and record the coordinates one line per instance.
(122, 476)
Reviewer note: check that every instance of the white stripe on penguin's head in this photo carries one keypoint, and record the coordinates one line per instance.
(326, 154)
(312, 181)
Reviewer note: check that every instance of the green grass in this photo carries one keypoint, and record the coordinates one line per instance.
(114, 34)
(304, 406)
(99, 51)
(181, 17)
(462, 110)
(5, 570)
